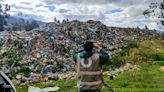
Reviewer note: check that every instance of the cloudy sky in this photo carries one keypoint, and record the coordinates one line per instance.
(122, 13)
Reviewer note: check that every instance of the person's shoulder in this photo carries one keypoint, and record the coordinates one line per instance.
(96, 55)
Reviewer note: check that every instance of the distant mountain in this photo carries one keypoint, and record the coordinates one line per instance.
(14, 23)
(29, 17)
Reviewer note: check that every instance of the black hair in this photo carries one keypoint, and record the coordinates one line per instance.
(88, 46)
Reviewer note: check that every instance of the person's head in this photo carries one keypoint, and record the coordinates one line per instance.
(88, 46)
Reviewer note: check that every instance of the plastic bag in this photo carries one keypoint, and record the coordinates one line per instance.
(37, 89)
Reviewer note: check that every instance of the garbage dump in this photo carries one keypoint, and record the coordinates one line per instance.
(44, 53)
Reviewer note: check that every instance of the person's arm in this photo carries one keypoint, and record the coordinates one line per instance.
(104, 57)
(75, 53)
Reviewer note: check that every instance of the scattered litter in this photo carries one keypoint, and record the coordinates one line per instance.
(37, 89)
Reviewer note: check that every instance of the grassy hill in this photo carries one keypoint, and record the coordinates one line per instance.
(148, 54)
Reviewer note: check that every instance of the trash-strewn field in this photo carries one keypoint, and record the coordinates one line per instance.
(143, 73)
(45, 53)
(149, 79)
(38, 39)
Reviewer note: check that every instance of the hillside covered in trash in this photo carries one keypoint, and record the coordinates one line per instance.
(141, 70)
(44, 53)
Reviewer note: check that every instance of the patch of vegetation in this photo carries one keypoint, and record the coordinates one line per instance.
(152, 50)
(120, 58)
(131, 44)
(162, 35)
(13, 55)
(25, 70)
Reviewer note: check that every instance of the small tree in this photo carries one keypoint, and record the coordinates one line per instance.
(146, 27)
(34, 24)
(1, 23)
(156, 10)
(55, 20)
(3, 15)
(26, 70)
(31, 25)
(13, 57)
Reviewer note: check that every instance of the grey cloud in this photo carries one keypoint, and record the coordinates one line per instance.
(63, 11)
(136, 11)
(117, 2)
(128, 3)
(26, 3)
(79, 1)
(83, 10)
(84, 17)
(1, 0)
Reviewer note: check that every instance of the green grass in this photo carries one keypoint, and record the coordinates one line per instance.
(148, 54)
(148, 79)
(65, 85)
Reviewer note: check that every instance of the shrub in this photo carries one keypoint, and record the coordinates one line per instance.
(132, 44)
(13, 55)
(25, 70)
(121, 57)
(118, 60)
(108, 65)
(129, 45)
(157, 57)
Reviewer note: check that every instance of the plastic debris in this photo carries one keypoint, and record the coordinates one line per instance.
(37, 89)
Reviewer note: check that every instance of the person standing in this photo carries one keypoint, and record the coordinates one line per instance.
(89, 66)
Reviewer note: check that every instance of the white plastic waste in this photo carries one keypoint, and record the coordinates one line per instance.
(37, 89)
(34, 89)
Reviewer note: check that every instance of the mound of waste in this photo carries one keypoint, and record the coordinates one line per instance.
(46, 51)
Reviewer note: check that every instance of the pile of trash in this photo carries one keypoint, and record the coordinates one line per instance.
(47, 50)
(112, 37)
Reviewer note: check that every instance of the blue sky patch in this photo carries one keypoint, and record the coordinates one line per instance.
(51, 7)
(114, 10)
(119, 21)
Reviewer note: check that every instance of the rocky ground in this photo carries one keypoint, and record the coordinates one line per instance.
(46, 51)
